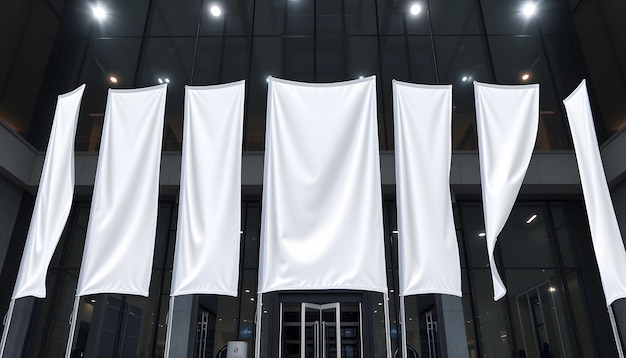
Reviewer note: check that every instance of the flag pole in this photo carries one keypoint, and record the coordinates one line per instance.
(7, 325)
(70, 339)
(405, 352)
(168, 334)
(259, 314)
(387, 325)
(618, 342)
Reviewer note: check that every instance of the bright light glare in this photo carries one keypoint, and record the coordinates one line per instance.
(525, 77)
(531, 219)
(98, 12)
(415, 9)
(167, 80)
(216, 11)
(113, 79)
(529, 9)
(160, 80)
(482, 234)
(552, 289)
(268, 78)
(464, 78)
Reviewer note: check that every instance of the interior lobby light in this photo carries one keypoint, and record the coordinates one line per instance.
(98, 12)
(482, 234)
(531, 219)
(465, 78)
(216, 10)
(160, 80)
(167, 80)
(416, 9)
(529, 9)
(525, 76)
(113, 79)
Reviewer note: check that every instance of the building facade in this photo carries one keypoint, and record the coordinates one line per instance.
(555, 300)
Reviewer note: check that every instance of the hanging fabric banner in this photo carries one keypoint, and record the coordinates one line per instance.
(54, 198)
(122, 223)
(321, 225)
(428, 252)
(206, 258)
(508, 119)
(605, 234)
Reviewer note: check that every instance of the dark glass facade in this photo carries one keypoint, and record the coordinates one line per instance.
(554, 297)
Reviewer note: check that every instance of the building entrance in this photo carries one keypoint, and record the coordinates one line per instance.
(326, 325)
(330, 330)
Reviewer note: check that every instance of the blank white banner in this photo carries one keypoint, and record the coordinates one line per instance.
(507, 118)
(206, 259)
(428, 252)
(54, 198)
(605, 234)
(322, 222)
(122, 223)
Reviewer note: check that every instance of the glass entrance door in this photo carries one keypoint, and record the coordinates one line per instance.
(329, 330)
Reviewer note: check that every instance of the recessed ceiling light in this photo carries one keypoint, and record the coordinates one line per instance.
(415, 9)
(113, 79)
(394, 231)
(160, 80)
(98, 12)
(525, 76)
(529, 9)
(465, 78)
(482, 234)
(531, 219)
(167, 80)
(216, 10)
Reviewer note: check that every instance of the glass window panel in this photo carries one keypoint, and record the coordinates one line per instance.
(568, 255)
(235, 19)
(394, 18)
(454, 17)
(514, 57)
(492, 317)
(506, 17)
(124, 18)
(421, 60)
(525, 244)
(345, 17)
(475, 243)
(173, 18)
(251, 237)
(346, 57)
(278, 17)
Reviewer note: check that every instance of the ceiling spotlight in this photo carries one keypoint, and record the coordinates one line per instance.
(552, 289)
(529, 9)
(216, 11)
(531, 219)
(113, 79)
(160, 80)
(416, 9)
(482, 234)
(525, 76)
(394, 231)
(465, 78)
(167, 80)
(360, 77)
(98, 12)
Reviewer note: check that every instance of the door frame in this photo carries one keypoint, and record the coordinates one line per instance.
(273, 300)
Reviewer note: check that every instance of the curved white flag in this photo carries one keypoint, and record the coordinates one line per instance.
(206, 259)
(122, 223)
(605, 234)
(428, 252)
(507, 118)
(54, 198)
(322, 222)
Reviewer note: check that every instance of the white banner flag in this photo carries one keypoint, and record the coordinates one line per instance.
(54, 198)
(122, 223)
(428, 252)
(206, 259)
(507, 118)
(322, 222)
(605, 233)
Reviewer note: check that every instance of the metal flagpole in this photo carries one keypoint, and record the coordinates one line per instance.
(168, 333)
(387, 325)
(70, 339)
(618, 342)
(259, 314)
(405, 352)
(7, 324)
